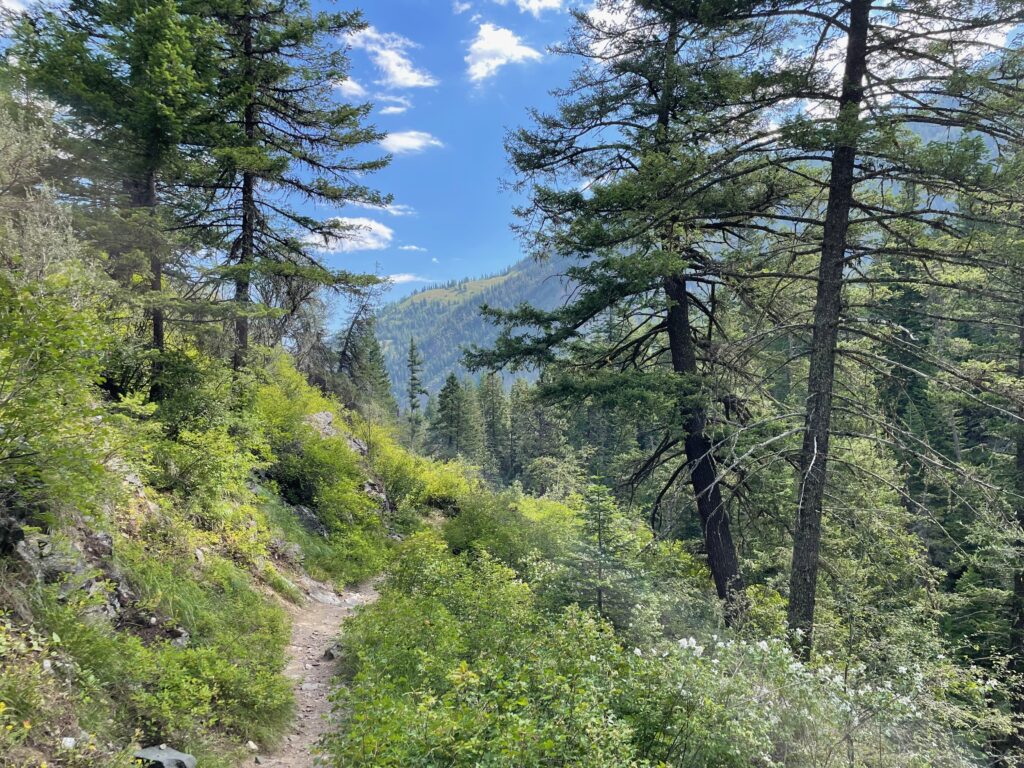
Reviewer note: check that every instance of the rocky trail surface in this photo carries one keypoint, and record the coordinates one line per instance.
(315, 627)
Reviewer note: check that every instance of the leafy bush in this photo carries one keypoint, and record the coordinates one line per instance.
(514, 528)
(451, 668)
(458, 665)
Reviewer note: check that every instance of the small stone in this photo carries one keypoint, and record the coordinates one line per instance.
(251, 746)
(258, 760)
(165, 757)
(68, 742)
(200, 557)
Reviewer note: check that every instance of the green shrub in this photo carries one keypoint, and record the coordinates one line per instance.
(457, 665)
(451, 668)
(514, 528)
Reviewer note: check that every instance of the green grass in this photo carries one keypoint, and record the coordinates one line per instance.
(340, 558)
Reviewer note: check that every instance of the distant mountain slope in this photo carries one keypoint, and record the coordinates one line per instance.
(445, 319)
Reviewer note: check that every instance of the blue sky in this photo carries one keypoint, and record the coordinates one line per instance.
(448, 80)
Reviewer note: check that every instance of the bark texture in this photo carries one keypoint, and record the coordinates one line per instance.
(827, 311)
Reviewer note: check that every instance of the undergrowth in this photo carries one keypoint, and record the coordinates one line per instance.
(176, 632)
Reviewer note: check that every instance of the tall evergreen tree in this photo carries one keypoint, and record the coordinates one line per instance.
(614, 138)
(415, 390)
(496, 426)
(362, 380)
(136, 77)
(455, 430)
(280, 136)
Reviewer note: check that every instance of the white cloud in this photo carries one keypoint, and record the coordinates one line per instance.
(355, 233)
(407, 277)
(412, 248)
(395, 209)
(434, 260)
(389, 52)
(396, 105)
(460, 7)
(350, 88)
(536, 7)
(406, 142)
(493, 48)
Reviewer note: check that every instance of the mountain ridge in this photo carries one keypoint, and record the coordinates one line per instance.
(445, 318)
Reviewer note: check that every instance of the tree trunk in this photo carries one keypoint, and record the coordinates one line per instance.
(247, 242)
(814, 452)
(142, 194)
(1017, 599)
(714, 518)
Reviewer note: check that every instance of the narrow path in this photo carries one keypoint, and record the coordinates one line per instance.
(315, 626)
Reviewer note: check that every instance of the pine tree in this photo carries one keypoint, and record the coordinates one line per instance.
(496, 426)
(455, 430)
(623, 223)
(414, 391)
(362, 380)
(281, 135)
(607, 558)
(135, 77)
(521, 432)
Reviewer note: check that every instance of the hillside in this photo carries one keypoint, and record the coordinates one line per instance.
(754, 497)
(445, 319)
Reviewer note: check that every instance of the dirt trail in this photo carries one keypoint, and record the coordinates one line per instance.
(315, 626)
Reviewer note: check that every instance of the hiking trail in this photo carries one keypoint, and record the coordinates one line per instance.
(315, 627)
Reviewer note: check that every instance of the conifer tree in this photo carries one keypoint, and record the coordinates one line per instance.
(607, 558)
(620, 223)
(520, 428)
(281, 136)
(363, 381)
(455, 431)
(496, 425)
(135, 77)
(415, 390)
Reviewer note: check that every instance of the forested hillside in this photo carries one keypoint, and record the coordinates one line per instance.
(445, 320)
(759, 505)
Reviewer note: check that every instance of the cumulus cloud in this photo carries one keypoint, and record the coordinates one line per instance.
(460, 7)
(349, 88)
(407, 277)
(493, 48)
(412, 248)
(536, 7)
(407, 142)
(390, 53)
(354, 233)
